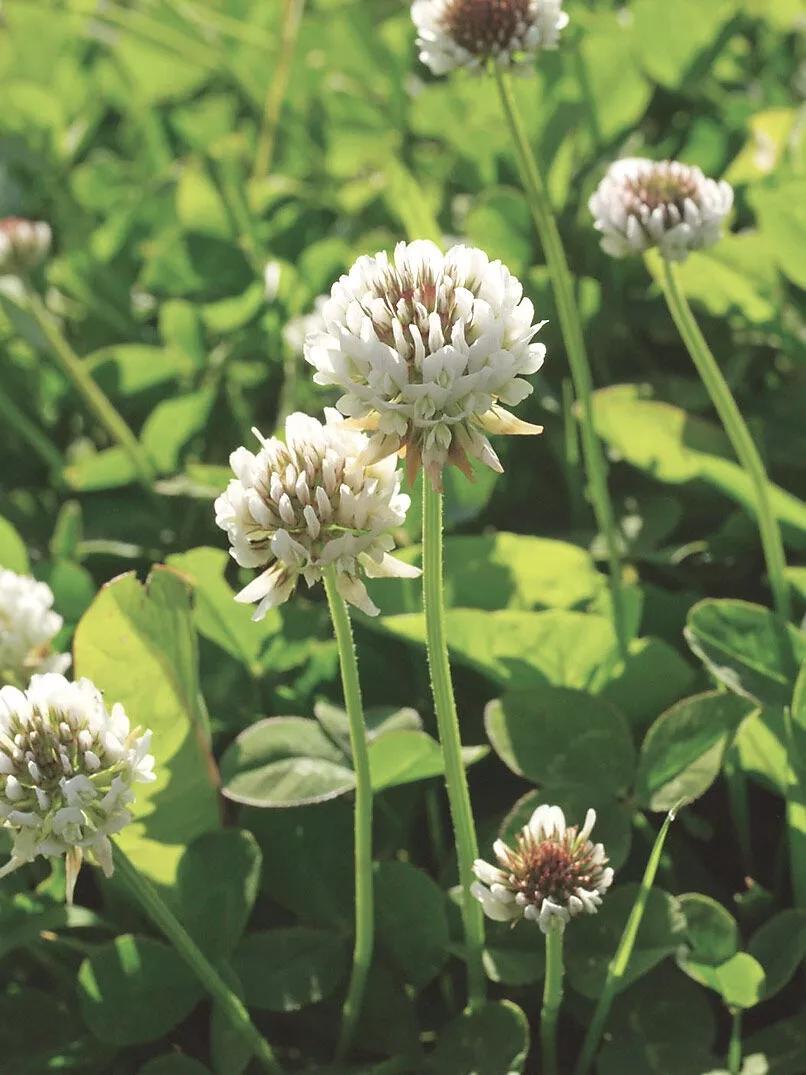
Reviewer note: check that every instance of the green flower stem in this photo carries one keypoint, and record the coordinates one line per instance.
(364, 913)
(275, 94)
(97, 402)
(159, 913)
(735, 1044)
(552, 999)
(737, 431)
(450, 739)
(619, 962)
(571, 327)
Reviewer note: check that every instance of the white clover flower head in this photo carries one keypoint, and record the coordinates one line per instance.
(24, 244)
(471, 33)
(426, 347)
(28, 626)
(642, 203)
(67, 766)
(298, 507)
(554, 873)
(297, 330)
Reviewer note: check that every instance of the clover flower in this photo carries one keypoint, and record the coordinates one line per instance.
(28, 625)
(642, 203)
(426, 347)
(23, 244)
(310, 502)
(554, 873)
(67, 766)
(469, 33)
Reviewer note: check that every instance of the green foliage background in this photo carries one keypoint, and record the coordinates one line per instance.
(134, 130)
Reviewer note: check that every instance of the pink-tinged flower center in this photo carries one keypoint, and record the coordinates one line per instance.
(410, 296)
(661, 188)
(550, 869)
(485, 26)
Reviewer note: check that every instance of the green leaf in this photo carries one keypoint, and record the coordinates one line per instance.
(171, 425)
(293, 839)
(499, 223)
(496, 571)
(107, 469)
(218, 615)
(283, 970)
(135, 989)
(217, 881)
(493, 1040)
(653, 676)
(137, 644)
(126, 369)
(762, 750)
(555, 736)
(24, 917)
(780, 947)
(668, 42)
(795, 785)
(378, 720)
(13, 553)
(783, 1045)
(284, 761)
(408, 202)
(517, 649)
(199, 205)
(782, 217)
(682, 753)
(406, 756)
(747, 647)
(59, 1041)
(68, 531)
(593, 941)
(514, 956)
(616, 90)
(738, 980)
(711, 931)
(173, 1064)
(664, 1025)
(738, 276)
(411, 922)
(673, 446)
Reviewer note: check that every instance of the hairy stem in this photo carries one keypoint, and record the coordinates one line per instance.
(364, 913)
(449, 736)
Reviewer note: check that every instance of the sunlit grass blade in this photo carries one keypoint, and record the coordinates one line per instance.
(620, 961)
